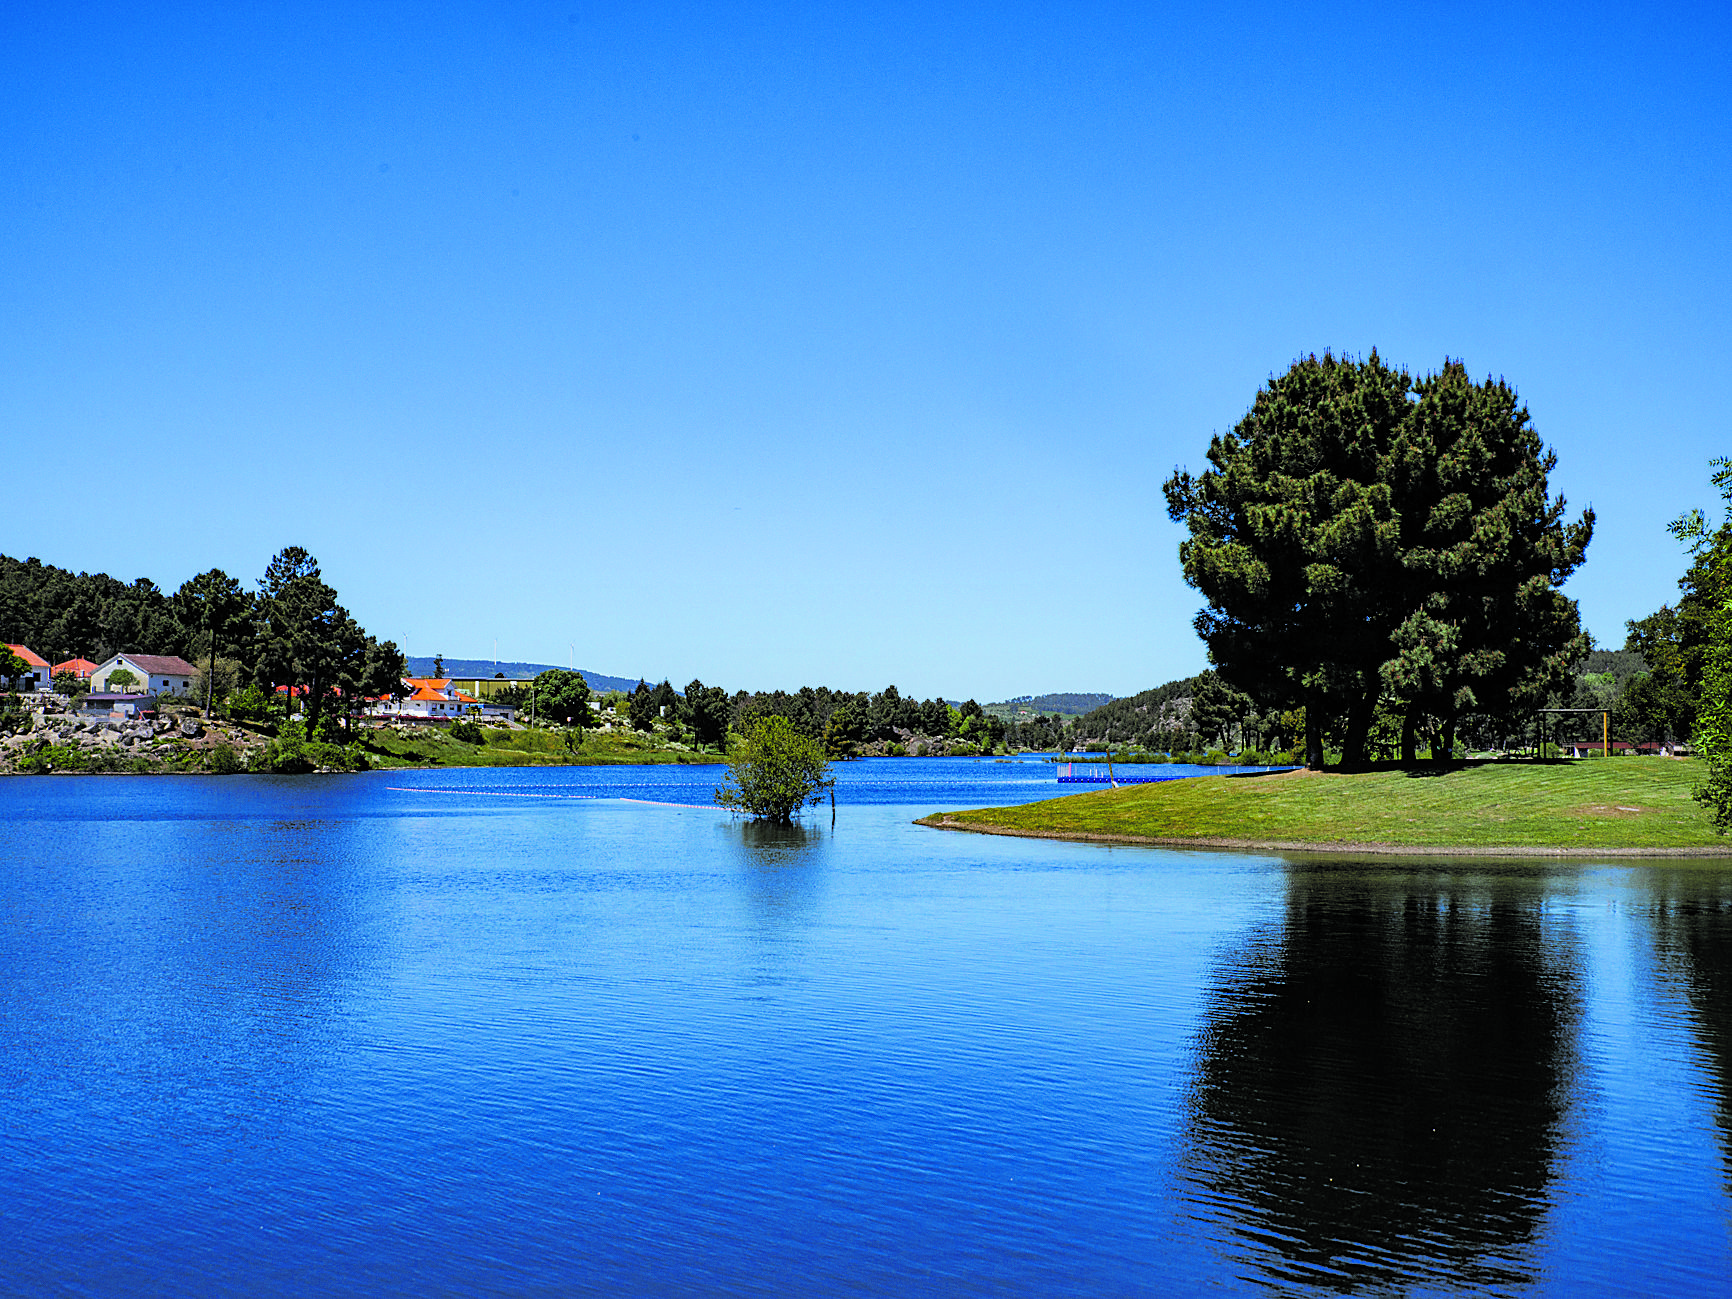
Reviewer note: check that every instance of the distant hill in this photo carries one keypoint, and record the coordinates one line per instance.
(423, 667)
(1064, 705)
(1143, 715)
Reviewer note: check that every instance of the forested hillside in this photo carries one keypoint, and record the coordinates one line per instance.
(61, 614)
(1073, 704)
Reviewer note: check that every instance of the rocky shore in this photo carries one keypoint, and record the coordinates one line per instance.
(66, 740)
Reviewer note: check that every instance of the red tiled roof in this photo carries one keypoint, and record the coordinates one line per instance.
(34, 659)
(429, 683)
(80, 668)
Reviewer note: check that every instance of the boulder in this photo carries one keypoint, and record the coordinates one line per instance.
(190, 728)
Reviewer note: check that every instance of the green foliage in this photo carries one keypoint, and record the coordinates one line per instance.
(121, 681)
(467, 731)
(563, 696)
(706, 709)
(12, 668)
(62, 614)
(13, 715)
(1712, 650)
(248, 705)
(74, 758)
(641, 707)
(774, 771)
(224, 761)
(288, 754)
(306, 639)
(1358, 534)
(216, 607)
(292, 753)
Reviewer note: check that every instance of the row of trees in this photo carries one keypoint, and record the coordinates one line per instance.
(840, 719)
(1371, 545)
(291, 630)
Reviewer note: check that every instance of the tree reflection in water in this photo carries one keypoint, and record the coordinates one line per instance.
(1380, 1086)
(1692, 918)
(780, 869)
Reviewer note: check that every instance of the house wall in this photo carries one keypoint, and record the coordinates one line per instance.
(158, 683)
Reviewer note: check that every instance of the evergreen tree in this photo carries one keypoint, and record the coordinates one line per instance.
(1358, 535)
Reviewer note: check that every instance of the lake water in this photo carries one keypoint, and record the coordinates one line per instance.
(508, 1033)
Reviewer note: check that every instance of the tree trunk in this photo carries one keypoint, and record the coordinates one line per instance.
(210, 677)
(1359, 727)
(1313, 732)
(1410, 735)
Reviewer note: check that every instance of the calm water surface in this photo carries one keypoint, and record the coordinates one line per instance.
(547, 1032)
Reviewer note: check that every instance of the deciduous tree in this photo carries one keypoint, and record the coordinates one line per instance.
(774, 771)
(563, 696)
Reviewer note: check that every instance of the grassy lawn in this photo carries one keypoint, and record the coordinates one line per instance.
(436, 748)
(1639, 803)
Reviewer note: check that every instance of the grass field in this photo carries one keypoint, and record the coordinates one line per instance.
(1614, 804)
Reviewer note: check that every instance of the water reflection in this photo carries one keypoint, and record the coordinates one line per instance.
(1692, 918)
(781, 869)
(1378, 1093)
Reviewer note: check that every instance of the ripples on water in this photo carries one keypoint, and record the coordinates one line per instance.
(571, 1031)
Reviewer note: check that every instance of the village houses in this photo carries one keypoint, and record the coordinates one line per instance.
(435, 699)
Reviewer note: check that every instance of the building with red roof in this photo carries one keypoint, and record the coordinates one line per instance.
(434, 699)
(39, 677)
(80, 668)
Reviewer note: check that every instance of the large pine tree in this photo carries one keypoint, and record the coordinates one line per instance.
(1360, 538)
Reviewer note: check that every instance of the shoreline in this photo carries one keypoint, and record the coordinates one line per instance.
(1346, 848)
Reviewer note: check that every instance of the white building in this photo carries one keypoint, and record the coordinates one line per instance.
(37, 676)
(153, 674)
(437, 699)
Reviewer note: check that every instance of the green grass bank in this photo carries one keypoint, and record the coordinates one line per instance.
(385, 748)
(1618, 806)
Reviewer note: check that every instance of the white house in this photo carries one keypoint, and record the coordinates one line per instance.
(37, 677)
(153, 674)
(435, 699)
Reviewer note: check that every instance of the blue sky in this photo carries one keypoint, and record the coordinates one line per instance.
(787, 344)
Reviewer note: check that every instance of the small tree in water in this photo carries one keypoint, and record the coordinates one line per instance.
(774, 772)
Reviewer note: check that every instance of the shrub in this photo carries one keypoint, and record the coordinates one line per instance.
(895, 750)
(249, 705)
(774, 771)
(224, 761)
(467, 731)
(287, 755)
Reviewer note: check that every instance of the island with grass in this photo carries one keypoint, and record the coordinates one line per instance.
(1581, 808)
